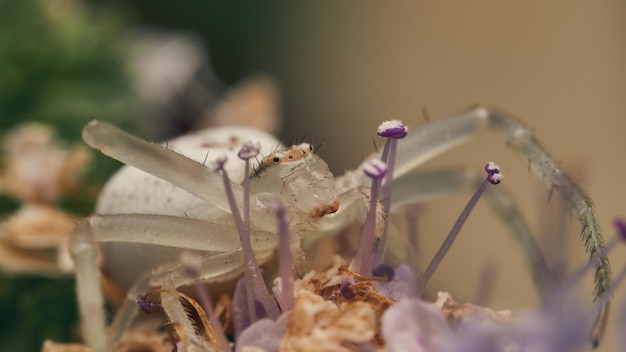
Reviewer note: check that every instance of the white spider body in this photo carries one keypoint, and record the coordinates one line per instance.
(302, 180)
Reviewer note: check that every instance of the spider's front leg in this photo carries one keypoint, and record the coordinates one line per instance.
(187, 174)
(444, 134)
(574, 199)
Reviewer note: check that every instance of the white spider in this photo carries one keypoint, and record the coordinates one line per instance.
(144, 219)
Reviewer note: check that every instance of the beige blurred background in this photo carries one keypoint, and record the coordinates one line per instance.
(559, 66)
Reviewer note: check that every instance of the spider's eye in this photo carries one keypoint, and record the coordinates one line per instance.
(276, 160)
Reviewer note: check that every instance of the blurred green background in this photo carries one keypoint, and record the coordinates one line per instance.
(342, 68)
(59, 64)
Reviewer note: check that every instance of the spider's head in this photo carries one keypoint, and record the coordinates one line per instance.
(292, 154)
(301, 179)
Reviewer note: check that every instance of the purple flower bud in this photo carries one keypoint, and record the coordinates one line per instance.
(146, 307)
(392, 129)
(346, 290)
(620, 225)
(218, 163)
(249, 150)
(384, 270)
(493, 173)
(492, 168)
(375, 169)
(494, 179)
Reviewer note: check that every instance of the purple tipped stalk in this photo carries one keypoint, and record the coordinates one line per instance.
(285, 263)
(392, 130)
(376, 170)
(255, 287)
(192, 264)
(493, 177)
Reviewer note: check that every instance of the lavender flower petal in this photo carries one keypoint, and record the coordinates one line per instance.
(265, 334)
(413, 325)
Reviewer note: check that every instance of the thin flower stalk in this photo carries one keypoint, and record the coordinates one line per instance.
(248, 150)
(375, 170)
(285, 265)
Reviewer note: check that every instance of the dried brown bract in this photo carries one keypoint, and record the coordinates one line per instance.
(454, 311)
(319, 325)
